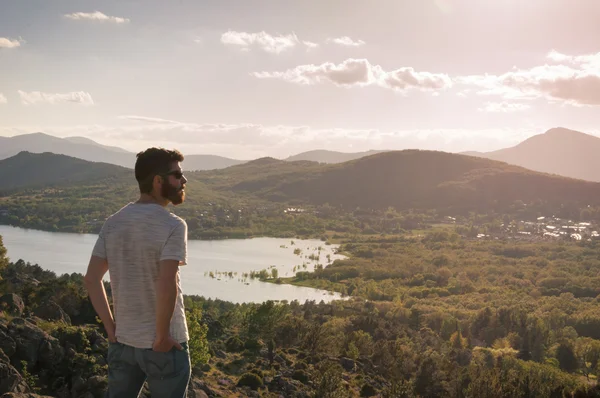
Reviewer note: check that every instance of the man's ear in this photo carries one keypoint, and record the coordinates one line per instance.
(157, 179)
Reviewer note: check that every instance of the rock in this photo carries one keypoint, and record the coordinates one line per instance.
(50, 311)
(77, 386)
(97, 385)
(286, 386)
(12, 304)
(225, 382)
(199, 385)
(196, 393)
(220, 354)
(100, 345)
(348, 364)
(4, 357)
(23, 395)
(33, 345)
(7, 344)
(11, 380)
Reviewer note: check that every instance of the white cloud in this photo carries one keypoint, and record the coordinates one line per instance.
(346, 41)
(359, 72)
(310, 45)
(8, 43)
(96, 16)
(574, 80)
(504, 107)
(3, 99)
(266, 42)
(35, 97)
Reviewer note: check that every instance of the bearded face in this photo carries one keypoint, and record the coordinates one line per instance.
(174, 193)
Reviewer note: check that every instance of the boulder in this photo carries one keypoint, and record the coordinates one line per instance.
(11, 380)
(50, 311)
(23, 395)
(12, 304)
(33, 345)
(348, 364)
(198, 386)
(7, 344)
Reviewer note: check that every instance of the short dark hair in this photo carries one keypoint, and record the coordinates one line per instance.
(152, 162)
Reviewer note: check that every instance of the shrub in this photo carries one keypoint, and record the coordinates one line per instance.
(251, 380)
(234, 344)
(301, 376)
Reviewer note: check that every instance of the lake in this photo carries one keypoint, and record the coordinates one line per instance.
(215, 269)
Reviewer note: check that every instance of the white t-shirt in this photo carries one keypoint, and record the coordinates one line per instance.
(133, 241)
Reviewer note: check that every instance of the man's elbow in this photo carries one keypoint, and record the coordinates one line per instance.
(90, 280)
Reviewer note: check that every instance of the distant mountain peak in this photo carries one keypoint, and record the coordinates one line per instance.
(559, 151)
(264, 161)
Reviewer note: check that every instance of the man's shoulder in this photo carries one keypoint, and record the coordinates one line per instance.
(176, 220)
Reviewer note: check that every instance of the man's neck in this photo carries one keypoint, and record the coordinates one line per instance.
(149, 198)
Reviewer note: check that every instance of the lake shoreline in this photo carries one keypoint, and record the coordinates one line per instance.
(236, 263)
(191, 236)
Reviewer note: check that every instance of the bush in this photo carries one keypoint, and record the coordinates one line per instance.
(367, 390)
(253, 345)
(301, 376)
(301, 365)
(234, 344)
(251, 380)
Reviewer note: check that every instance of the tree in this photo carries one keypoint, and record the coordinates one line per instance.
(3, 258)
(566, 357)
(198, 343)
(263, 321)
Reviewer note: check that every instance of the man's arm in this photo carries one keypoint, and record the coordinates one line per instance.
(95, 287)
(166, 296)
(173, 255)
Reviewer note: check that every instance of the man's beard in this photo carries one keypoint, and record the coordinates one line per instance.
(175, 195)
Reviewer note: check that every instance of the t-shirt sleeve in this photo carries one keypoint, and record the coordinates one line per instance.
(176, 246)
(100, 246)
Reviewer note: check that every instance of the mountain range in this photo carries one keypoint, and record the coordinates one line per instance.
(558, 151)
(87, 149)
(402, 179)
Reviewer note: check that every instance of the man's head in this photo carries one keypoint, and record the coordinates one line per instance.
(159, 175)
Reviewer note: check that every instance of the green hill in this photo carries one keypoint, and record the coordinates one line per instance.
(45, 170)
(412, 179)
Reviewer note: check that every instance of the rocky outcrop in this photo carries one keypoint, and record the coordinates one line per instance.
(50, 311)
(33, 345)
(10, 379)
(7, 344)
(12, 304)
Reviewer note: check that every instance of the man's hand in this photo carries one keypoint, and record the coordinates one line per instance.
(110, 332)
(165, 344)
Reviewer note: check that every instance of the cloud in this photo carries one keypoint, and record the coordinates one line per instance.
(3, 99)
(573, 80)
(35, 97)
(346, 41)
(504, 107)
(96, 16)
(310, 45)
(360, 72)
(8, 43)
(266, 42)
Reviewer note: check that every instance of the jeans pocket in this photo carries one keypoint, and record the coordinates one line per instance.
(165, 365)
(114, 353)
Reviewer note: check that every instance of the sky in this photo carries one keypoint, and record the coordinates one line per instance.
(246, 79)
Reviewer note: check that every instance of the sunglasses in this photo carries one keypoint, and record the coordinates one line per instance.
(175, 173)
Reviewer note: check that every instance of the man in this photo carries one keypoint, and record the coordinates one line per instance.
(142, 247)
